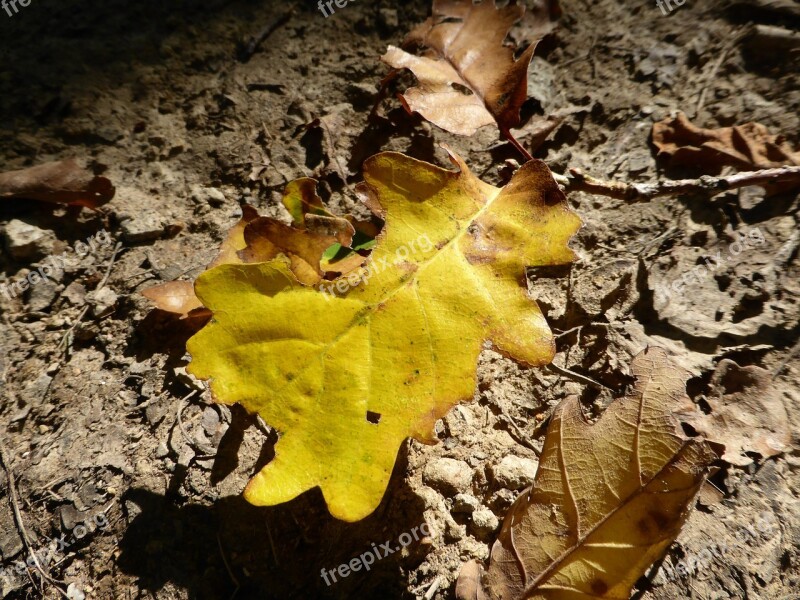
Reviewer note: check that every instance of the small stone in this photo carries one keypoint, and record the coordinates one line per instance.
(71, 517)
(188, 379)
(162, 451)
(210, 421)
(448, 476)
(35, 391)
(75, 294)
(102, 301)
(639, 162)
(42, 295)
(514, 473)
(25, 241)
(453, 532)
(388, 18)
(75, 593)
(213, 196)
(465, 503)
(484, 522)
(142, 228)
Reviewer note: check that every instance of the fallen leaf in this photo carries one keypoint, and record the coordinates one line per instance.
(747, 414)
(747, 147)
(176, 297)
(346, 378)
(467, 77)
(62, 182)
(608, 499)
(260, 239)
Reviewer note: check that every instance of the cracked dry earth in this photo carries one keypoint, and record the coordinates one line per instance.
(133, 481)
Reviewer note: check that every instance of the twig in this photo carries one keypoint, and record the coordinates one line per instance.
(248, 47)
(433, 589)
(576, 181)
(723, 55)
(577, 376)
(14, 496)
(518, 435)
(66, 340)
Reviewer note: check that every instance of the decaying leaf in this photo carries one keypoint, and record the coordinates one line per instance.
(746, 147)
(347, 376)
(747, 414)
(608, 498)
(62, 182)
(260, 239)
(467, 77)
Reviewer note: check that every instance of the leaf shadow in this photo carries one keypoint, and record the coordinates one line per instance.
(271, 552)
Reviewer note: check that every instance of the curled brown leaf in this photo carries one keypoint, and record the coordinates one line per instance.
(62, 182)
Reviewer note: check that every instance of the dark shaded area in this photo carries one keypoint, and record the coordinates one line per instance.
(274, 552)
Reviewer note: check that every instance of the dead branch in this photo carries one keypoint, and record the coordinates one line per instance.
(576, 181)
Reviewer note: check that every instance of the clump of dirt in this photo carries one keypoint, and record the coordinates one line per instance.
(127, 478)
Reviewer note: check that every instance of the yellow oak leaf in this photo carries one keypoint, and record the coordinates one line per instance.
(607, 501)
(345, 377)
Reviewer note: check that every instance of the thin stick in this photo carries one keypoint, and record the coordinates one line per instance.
(249, 47)
(433, 589)
(228, 568)
(576, 181)
(14, 496)
(723, 55)
(577, 376)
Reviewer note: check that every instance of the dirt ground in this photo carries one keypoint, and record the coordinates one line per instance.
(134, 485)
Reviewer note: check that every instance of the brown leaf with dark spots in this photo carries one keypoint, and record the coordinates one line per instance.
(61, 182)
(467, 77)
(608, 499)
(747, 414)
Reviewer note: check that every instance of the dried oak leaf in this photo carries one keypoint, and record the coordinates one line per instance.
(400, 346)
(747, 414)
(747, 147)
(608, 498)
(62, 182)
(467, 77)
(259, 239)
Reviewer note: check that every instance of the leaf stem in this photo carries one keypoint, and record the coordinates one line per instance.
(506, 133)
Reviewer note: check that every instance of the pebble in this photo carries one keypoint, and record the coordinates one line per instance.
(42, 295)
(25, 241)
(484, 522)
(102, 301)
(213, 196)
(514, 473)
(447, 475)
(465, 503)
(143, 228)
(388, 18)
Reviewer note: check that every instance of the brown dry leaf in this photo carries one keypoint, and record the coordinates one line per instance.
(234, 241)
(266, 238)
(608, 499)
(260, 239)
(176, 297)
(467, 77)
(747, 414)
(746, 147)
(62, 182)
